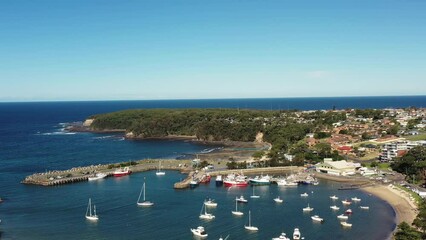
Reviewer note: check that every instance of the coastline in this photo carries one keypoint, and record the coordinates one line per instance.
(405, 209)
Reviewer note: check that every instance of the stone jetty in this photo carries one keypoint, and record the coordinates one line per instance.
(79, 174)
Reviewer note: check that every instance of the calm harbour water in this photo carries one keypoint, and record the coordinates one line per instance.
(32, 140)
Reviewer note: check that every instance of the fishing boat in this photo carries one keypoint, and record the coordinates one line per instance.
(235, 180)
(193, 183)
(249, 226)
(346, 202)
(262, 180)
(122, 172)
(205, 215)
(308, 209)
(334, 197)
(144, 203)
(334, 207)
(283, 236)
(254, 196)
(341, 216)
(317, 218)
(278, 199)
(364, 207)
(236, 212)
(199, 232)
(219, 181)
(355, 199)
(345, 224)
(349, 211)
(89, 215)
(210, 203)
(304, 195)
(241, 199)
(97, 176)
(159, 172)
(205, 178)
(296, 234)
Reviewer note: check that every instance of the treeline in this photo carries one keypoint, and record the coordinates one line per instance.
(413, 165)
(283, 129)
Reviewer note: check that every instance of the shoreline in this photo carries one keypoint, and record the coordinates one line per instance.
(404, 208)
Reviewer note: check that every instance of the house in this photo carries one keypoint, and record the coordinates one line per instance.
(339, 168)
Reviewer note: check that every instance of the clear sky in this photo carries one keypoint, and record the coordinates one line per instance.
(183, 49)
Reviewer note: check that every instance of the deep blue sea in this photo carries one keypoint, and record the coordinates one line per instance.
(32, 140)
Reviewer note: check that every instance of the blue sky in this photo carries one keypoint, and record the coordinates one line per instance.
(184, 49)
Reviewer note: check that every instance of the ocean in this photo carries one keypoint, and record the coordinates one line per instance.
(32, 140)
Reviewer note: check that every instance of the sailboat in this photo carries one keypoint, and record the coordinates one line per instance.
(159, 172)
(254, 196)
(250, 227)
(89, 214)
(205, 215)
(236, 212)
(144, 203)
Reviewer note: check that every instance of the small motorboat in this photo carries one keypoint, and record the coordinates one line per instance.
(278, 199)
(355, 199)
(349, 211)
(364, 207)
(308, 209)
(241, 199)
(345, 224)
(97, 176)
(317, 218)
(304, 195)
(341, 216)
(346, 202)
(210, 203)
(334, 207)
(296, 234)
(283, 236)
(334, 197)
(199, 232)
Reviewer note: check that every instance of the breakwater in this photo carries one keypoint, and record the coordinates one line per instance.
(79, 174)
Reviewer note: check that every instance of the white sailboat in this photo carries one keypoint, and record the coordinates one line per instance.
(144, 203)
(205, 215)
(89, 215)
(236, 212)
(254, 196)
(159, 172)
(278, 199)
(250, 227)
(308, 208)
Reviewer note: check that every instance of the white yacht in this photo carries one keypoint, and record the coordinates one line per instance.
(355, 199)
(241, 199)
(341, 216)
(236, 212)
(205, 215)
(249, 226)
(144, 203)
(317, 218)
(296, 234)
(346, 202)
(97, 176)
(334, 197)
(89, 215)
(199, 232)
(254, 196)
(210, 203)
(334, 207)
(283, 236)
(345, 224)
(159, 172)
(308, 209)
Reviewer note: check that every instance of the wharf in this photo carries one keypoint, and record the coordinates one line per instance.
(79, 174)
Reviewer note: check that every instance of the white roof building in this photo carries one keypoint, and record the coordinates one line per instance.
(341, 167)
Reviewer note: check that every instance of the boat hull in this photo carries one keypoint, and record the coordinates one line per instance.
(236, 184)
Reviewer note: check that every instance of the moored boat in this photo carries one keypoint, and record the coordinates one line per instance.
(219, 180)
(334, 197)
(89, 215)
(97, 176)
(317, 218)
(349, 211)
(210, 203)
(122, 172)
(278, 199)
(262, 180)
(235, 180)
(241, 199)
(334, 207)
(346, 202)
(199, 232)
(193, 183)
(355, 199)
(205, 215)
(308, 209)
(283, 236)
(205, 178)
(249, 226)
(364, 207)
(341, 216)
(345, 224)
(304, 195)
(296, 234)
(236, 212)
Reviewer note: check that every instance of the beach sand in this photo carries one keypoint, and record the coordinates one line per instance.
(405, 209)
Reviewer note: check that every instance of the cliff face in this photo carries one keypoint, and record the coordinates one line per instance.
(88, 122)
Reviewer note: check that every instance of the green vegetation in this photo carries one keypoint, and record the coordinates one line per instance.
(419, 137)
(420, 221)
(412, 164)
(283, 129)
(406, 232)
(370, 113)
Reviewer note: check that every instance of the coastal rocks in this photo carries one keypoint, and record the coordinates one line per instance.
(259, 137)
(130, 135)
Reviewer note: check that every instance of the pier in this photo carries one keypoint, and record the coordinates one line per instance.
(80, 174)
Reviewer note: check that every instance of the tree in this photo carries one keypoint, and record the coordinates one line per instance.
(374, 164)
(406, 232)
(258, 154)
(420, 220)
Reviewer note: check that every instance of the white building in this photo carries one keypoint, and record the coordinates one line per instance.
(339, 168)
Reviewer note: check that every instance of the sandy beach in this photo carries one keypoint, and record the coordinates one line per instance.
(405, 208)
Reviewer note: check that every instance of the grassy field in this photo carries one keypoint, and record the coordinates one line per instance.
(419, 137)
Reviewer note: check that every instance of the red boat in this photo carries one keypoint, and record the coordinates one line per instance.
(233, 180)
(122, 172)
(205, 179)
